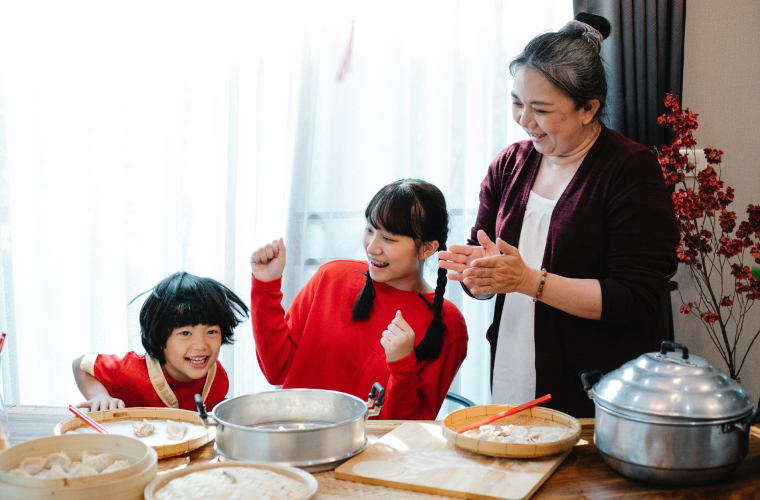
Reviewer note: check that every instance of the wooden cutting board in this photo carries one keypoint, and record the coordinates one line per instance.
(417, 457)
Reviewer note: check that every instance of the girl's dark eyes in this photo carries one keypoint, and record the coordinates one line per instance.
(185, 333)
(212, 332)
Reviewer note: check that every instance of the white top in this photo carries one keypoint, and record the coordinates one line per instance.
(514, 373)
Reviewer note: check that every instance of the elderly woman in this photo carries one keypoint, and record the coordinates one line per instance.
(575, 231)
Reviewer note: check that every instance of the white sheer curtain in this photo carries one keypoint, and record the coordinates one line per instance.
(138, 139)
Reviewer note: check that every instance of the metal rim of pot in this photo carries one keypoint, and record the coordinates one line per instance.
(374, 404)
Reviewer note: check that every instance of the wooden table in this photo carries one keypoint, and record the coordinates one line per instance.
(582, 475)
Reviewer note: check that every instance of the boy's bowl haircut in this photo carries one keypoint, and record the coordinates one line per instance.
(184, 299)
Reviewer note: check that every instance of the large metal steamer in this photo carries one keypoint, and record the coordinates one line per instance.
(671, 418)
(312, 429)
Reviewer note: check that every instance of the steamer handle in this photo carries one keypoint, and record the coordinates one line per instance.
(668, 346)
(587, 384)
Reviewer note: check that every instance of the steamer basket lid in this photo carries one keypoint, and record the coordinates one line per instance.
(670, 384)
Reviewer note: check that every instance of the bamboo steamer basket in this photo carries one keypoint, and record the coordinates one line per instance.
(532, 417)
(291, 472)
(139, 414)
(125, 484)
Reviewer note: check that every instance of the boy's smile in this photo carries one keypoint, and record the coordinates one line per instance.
(190, 351)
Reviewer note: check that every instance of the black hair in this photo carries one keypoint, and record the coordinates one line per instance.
(184, 299)
(414, 208)
(569, 59)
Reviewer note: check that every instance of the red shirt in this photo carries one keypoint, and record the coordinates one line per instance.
(316, 344)
(127, 379)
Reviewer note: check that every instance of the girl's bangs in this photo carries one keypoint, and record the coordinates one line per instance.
(396, 209)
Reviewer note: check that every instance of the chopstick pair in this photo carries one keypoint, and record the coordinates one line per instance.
(507, 413)
(87, 420)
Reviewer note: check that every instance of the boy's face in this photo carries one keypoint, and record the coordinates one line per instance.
(191, 350)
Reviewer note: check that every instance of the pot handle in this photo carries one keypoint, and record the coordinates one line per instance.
(587, 384)
(375, 400)
(745, 426)
(202, 411)
(755, 417)
(668, 346)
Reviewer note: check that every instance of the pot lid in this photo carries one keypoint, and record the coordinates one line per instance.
(671, 384)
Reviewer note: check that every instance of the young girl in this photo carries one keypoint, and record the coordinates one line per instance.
(183, 324)
(360, 322)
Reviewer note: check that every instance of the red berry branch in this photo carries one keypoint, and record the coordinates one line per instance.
(714, 249)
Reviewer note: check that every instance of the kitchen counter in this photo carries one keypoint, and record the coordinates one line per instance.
(583, 474)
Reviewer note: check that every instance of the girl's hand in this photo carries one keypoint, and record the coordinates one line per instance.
(102, 402)
(502, 273)
(398, 339)
(268, 263)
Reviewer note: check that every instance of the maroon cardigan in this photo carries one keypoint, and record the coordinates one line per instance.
(615, 223)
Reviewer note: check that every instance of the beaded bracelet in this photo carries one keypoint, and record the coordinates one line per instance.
(540, 286)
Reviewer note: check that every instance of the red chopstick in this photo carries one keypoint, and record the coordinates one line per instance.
(507, 413)
(87, 420)
(2, 342)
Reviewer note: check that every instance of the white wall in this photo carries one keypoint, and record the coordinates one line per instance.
(721, 68)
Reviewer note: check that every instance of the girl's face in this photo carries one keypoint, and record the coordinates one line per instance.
(548, 115)
(395, 259)
(191, 351)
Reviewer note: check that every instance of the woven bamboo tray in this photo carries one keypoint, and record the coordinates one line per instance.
(139, 414)
(302, 477)
(532, 417)
(125, 484)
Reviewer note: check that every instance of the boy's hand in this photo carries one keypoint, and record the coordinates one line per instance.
(398, 339)
(105, 402)
(268, 262)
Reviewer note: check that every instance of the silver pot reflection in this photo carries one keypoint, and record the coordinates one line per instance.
(307, 428)
(670, 419)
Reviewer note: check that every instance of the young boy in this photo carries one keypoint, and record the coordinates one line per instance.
(183, 324)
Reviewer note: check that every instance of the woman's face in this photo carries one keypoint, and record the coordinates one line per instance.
(548, 115)
(395, 259)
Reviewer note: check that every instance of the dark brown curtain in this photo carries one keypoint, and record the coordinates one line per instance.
(643, 59)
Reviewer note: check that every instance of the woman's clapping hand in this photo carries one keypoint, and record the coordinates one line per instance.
(268, 262)
(489, 268)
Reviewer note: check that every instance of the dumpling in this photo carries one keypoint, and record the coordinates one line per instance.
(86, 455)
(82, 471)
(99, 462)
(143, 429)
(32, 465)
(117, 465)
(19, 472)
(175, 430)
(56, 471)
(60, 459)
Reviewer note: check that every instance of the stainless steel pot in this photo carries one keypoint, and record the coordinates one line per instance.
(312, 429)
(670, 418)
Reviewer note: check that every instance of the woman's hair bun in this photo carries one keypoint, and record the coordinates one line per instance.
(599, 23)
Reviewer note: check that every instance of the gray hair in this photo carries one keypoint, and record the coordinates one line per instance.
(569, 59)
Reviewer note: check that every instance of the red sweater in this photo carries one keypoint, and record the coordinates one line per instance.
(316, 344)
(127, 379)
